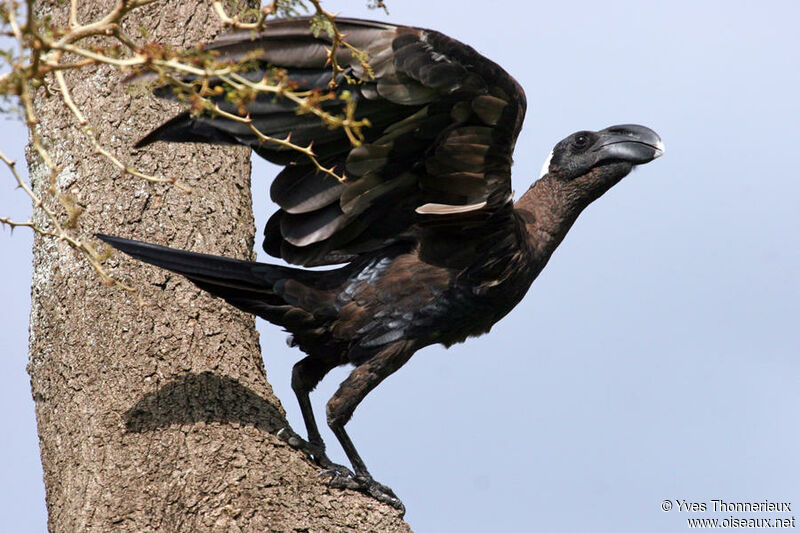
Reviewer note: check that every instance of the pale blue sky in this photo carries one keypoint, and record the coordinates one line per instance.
(656, 357)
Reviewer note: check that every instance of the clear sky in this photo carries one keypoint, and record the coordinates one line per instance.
(656, 357)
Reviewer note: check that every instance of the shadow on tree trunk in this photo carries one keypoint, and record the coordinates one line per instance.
(204, 397)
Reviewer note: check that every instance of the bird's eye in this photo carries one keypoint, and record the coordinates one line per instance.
(581, 141)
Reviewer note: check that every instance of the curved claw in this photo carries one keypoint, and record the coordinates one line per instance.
(382, 493)
(334, 470)
(341, 477)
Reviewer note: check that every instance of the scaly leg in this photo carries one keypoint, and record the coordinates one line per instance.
(340, 409)
(306, 375)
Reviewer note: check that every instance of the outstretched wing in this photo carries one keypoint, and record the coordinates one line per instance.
(444, 120)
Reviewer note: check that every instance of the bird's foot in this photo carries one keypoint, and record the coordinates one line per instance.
(382, 493)
(294, 440)
(342, 478)
(316, 452)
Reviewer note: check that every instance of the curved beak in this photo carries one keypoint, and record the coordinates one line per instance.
(628, 142)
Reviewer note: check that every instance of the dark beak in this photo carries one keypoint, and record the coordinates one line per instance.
(628, 142)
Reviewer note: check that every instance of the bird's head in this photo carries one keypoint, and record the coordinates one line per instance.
(588, 163)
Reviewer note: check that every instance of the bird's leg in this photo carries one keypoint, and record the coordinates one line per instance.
(340, 409)
(306, 375)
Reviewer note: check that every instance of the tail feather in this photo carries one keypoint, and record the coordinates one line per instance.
(284, 296)
(231, 272)
(246, 285)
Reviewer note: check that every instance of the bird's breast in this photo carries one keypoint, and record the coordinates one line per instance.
(404, 298)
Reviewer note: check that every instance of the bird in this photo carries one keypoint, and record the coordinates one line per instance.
(429, 245)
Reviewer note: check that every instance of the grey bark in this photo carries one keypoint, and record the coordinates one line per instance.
(159, 418)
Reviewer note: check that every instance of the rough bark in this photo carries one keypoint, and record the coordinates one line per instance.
(160, 418)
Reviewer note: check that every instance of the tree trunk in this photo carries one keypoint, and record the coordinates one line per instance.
(159, 418)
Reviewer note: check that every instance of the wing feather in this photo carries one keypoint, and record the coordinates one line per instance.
(437, 157)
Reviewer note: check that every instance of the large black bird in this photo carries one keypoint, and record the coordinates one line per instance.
(433, 247)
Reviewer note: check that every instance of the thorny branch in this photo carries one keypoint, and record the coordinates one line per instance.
(40, 63)
(325, 21)
(60, 230)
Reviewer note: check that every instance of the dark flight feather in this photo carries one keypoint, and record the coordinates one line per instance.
(301, 188)
(431, 116)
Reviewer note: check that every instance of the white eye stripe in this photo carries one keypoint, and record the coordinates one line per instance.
(546, 166)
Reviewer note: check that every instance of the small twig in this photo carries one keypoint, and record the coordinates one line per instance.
(98, 148)
(337, 41)
(65, 94)
(236, 23)
(41, 64)
(305, 104)
(73, 14)
(29, 224)
(60, 233)
(306, 150)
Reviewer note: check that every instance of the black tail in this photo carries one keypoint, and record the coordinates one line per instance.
(256, 288)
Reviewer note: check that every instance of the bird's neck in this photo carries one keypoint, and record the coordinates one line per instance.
(548, 209)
